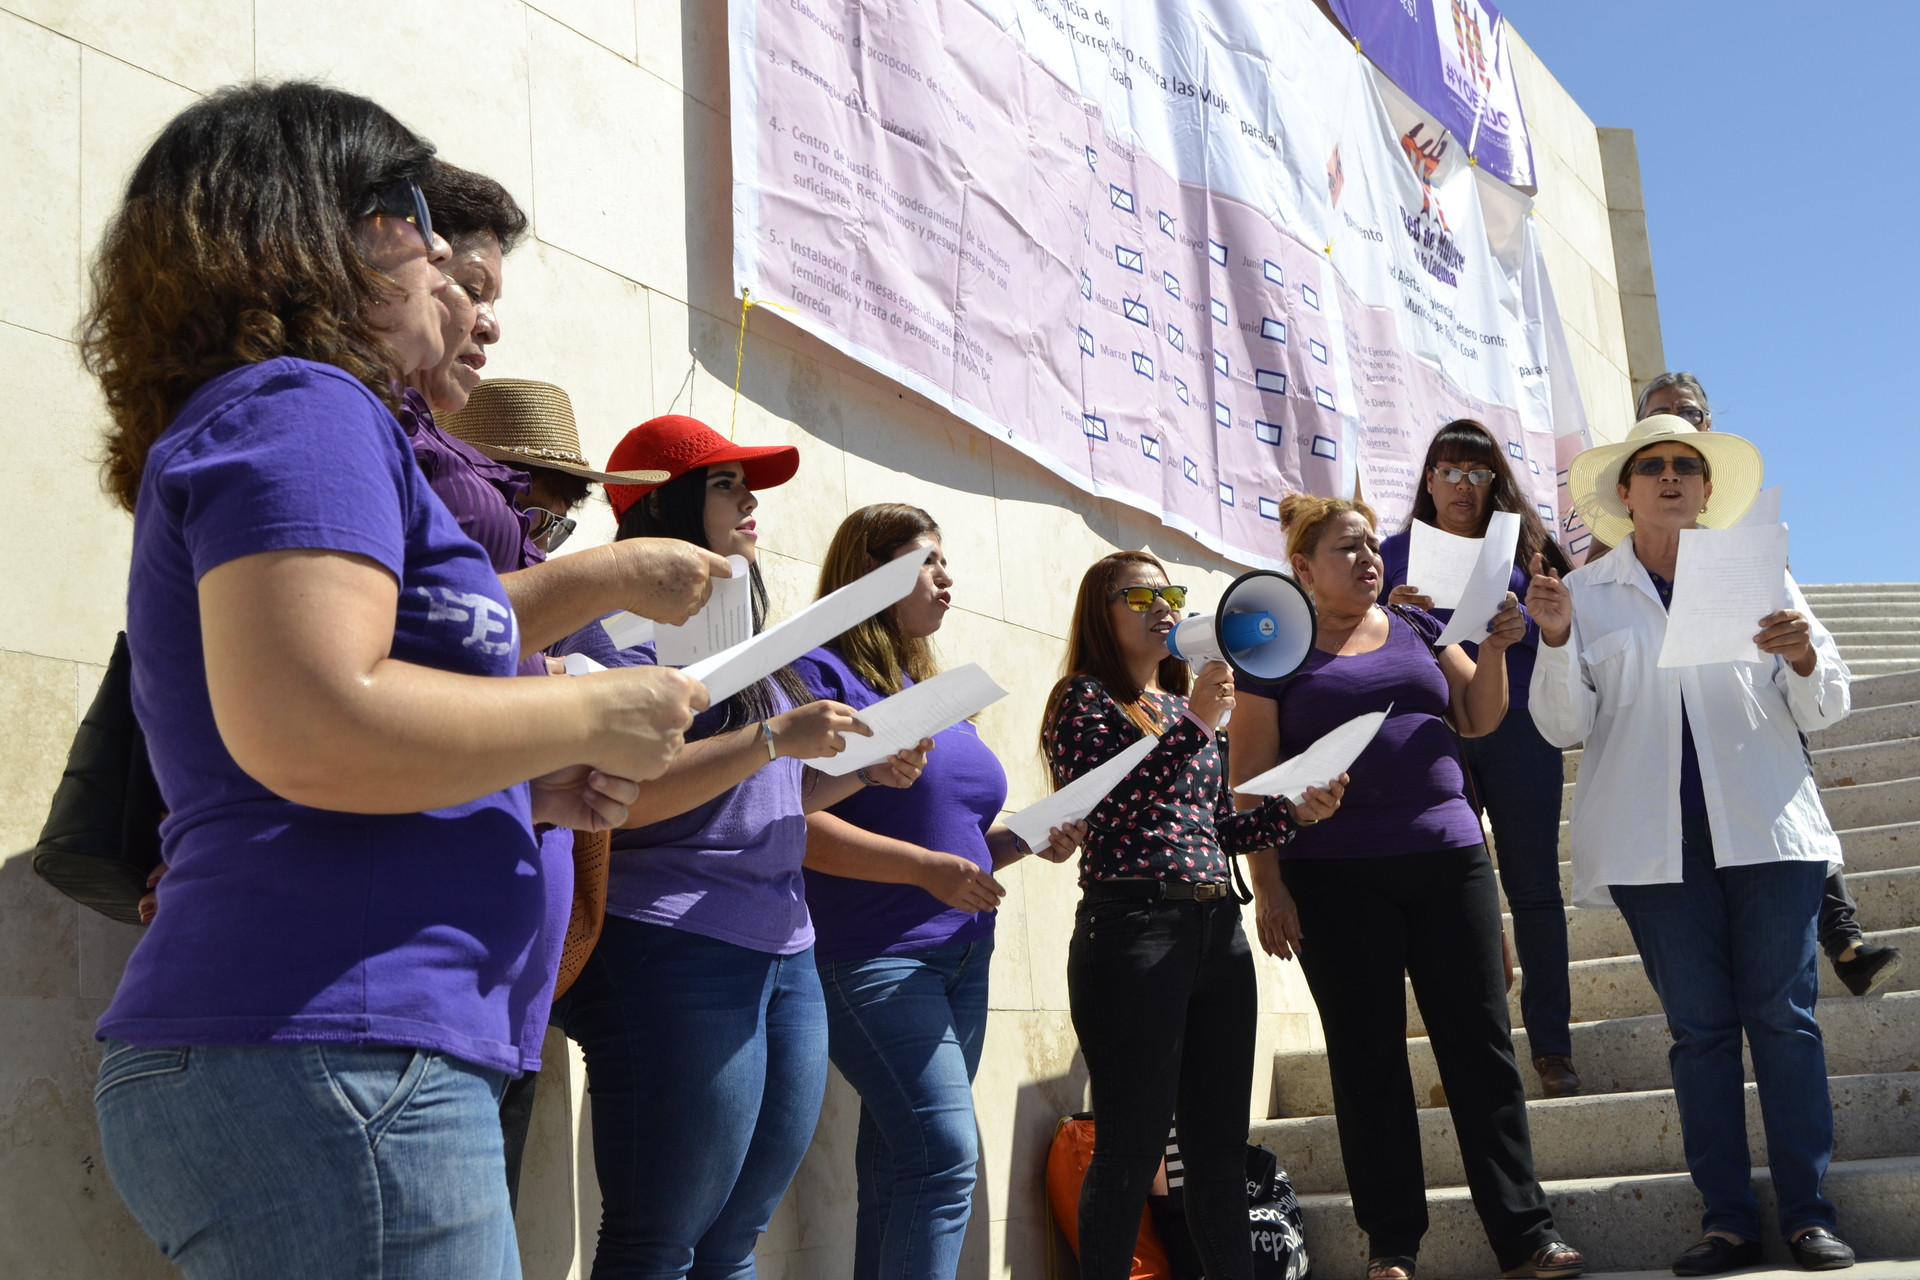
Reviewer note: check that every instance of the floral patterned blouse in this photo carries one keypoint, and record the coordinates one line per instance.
(1170, 817)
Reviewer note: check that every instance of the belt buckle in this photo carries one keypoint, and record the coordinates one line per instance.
(1208, 892)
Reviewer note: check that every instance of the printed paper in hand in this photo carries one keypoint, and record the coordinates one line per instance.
(1320, 763)
(727, 673)
(627, 629)
(1724, 582)
(1078, 798)
(914, 713)
(1765, 510)
(579, 664)
(725, 621)
(1487, 585)
(1440, 563)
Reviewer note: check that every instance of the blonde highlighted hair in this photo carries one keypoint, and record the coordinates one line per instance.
(875, 649)
(1305, 517)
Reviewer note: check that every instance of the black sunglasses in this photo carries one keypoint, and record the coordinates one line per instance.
(1682, 466)
(403, 200)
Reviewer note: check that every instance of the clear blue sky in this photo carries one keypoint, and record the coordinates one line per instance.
(1779, 148)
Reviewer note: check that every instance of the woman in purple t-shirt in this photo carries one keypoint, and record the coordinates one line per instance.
(305, 1052)
(700, 1011)
(900, 886)
(1398, 882)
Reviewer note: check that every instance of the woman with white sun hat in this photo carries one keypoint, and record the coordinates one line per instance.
(1696, 815)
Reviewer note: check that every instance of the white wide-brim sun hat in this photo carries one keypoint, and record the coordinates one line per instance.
(1736, 465)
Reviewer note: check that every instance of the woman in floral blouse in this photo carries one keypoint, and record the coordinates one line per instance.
(1159, 974)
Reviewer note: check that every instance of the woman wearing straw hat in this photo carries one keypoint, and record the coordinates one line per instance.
(1695, 815)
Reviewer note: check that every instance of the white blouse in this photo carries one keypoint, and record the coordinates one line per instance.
(1604, 687)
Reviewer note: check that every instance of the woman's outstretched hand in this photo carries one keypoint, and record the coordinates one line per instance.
(1550, 603)
(1063, 842)
(1319, 803)
(1509, 626)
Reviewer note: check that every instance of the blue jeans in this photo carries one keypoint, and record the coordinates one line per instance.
(906, 1032)
(310, 1162)
(1518, 774)
(706, 1062)
(1726, 949)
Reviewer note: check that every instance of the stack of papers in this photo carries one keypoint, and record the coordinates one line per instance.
(1486, 585)
(1724, 582)
(723, 622)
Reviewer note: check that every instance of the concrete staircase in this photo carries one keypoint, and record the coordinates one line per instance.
(1611, 1160)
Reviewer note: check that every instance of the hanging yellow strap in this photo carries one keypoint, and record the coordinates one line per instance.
(747, 302)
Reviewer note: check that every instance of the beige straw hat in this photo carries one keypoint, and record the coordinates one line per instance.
(1735, 463)
(531, 424)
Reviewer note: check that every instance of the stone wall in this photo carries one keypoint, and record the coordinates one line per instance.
(608, 119)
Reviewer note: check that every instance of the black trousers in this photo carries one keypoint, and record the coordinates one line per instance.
(1838, 928)
(1165, 1005)
(1436, 918)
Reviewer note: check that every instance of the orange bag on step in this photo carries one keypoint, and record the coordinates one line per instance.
(1067, 1161)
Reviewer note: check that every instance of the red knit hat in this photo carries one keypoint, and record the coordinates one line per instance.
(677, 444)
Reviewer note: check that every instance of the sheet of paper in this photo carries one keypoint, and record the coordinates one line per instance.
(728, 672)
(1440, 563)
(579, 664)
(627, 629)
(1078, 798)
(918, 712)
(725, 621)
(1487, 585)
(1320, 763)
(1724, 582)
(1765, 510)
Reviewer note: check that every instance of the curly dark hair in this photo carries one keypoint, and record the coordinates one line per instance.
(465, 203)
(235, 245)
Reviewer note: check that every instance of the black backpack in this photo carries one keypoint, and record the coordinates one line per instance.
(1274, 1226)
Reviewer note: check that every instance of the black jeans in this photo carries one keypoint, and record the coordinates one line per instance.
(1165, 1005)
(1838, 928)
(1434, 917)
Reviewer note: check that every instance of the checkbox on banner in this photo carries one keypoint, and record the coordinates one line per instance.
(1317, 350)
(1180, 389)
(1093, 160)
(1176, 339)
(1533, 466)
(1546, 512)
(1275, 274)
(1170, 282)
(1218, 252)
(1136, 311)
(1122, 198)
(1269, 509)
(1219, 311)
(1226, 494)
(1150, 447)
(1220, 363)
(1514, 449)
(1143, 364)
(1191, 470)
(1222, 416)
(1096, 428)
(1325, 447)
(1086, 286)
(1086, 342)
(1166, 222)
(1323, 398)
(1130, 259)
(1309, 297)
(1273, 330)
(1266, 432)
(1270, 380)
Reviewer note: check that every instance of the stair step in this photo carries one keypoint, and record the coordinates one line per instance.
(1635, 1222)
(1866, 762)
(1904, 635)
(1884, 690)
(1884, 667)
(1828, 611)
(1617, 987)
(1610, 1134)
(1884, 848)
(1872, 804)
(1809, 589)
(1875, 1269)
(1871, 724)
(1880, 870)
(1629, 1055)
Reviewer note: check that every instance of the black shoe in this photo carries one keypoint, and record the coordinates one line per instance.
(1869, 969)
(1715, 1254)
(1820, 1250)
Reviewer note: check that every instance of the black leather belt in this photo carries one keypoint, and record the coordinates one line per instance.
(1160, 890)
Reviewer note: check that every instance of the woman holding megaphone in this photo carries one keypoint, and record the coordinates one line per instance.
(1159, 975)
(1399, 884)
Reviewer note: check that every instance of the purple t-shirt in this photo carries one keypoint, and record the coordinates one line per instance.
(281, 923)
(1520, 654)
(948, 809)
(1406, 790)
(726, 869)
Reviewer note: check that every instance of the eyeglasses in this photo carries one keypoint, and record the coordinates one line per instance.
(1689, 412)
(1480, 476)
(548, 530)
(1682, 466)
(1140, 599)
(404, 200)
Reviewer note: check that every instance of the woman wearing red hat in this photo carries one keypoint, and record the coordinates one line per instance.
(700, 1011)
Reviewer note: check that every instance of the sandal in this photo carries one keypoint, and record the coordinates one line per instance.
(1395, 1262)
(1556, 1258)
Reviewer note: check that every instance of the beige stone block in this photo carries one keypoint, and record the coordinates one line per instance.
(77, 581)
(609, 158)
(200, 46)
(1620, 161)
(1611, 335)
(823, 1190)
(36, 705)
(39, 935)
(1604, 390)
(1646, 352)
(1568, 271)
(684, 42)
(1030, 1076)
(60, 1215)
(547, 1218)
(1053, 892)
(1632, 252)
(40, 154)
(1050, 533)
(105, 945)
(1011, 986)
(122, 110)
(608, 23)
(462, 89)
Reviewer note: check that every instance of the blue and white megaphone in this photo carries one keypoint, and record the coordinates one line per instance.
(1264, 629)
